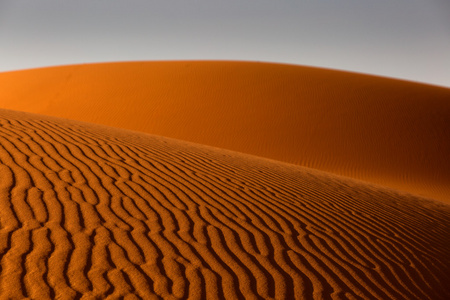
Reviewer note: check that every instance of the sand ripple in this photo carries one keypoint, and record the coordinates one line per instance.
(95, 212)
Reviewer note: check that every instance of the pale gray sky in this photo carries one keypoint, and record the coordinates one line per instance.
(407, 39)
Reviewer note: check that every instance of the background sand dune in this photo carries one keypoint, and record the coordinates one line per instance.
(389, 132)
(93, 211)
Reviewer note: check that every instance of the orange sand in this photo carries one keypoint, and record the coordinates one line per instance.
(389, 132)
(96, 212)
(90, 211)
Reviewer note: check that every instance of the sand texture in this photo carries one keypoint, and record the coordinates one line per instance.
(384, 131)
(222, 180)
(92, 212)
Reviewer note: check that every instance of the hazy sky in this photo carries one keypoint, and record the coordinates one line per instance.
(407, 39)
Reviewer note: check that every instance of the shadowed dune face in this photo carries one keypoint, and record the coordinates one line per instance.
(385, 131)
(97, 211)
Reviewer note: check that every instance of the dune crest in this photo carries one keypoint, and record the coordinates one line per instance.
(390, 132)
(94, 211)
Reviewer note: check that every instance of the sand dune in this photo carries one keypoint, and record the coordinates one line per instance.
(389, 132)
(92, 211)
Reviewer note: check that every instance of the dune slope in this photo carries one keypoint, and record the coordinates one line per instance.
(93, 211)
(385, 131)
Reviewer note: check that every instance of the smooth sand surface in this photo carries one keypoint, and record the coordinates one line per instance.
(384, 131)
(92, 212)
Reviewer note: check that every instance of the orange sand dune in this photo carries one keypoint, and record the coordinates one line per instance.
(96, 212)
(389, 132)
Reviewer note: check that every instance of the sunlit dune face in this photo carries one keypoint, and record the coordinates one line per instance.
(90, 211)
(388, 132)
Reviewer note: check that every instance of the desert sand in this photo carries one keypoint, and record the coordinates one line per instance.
(385, 131)
(222, 180)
